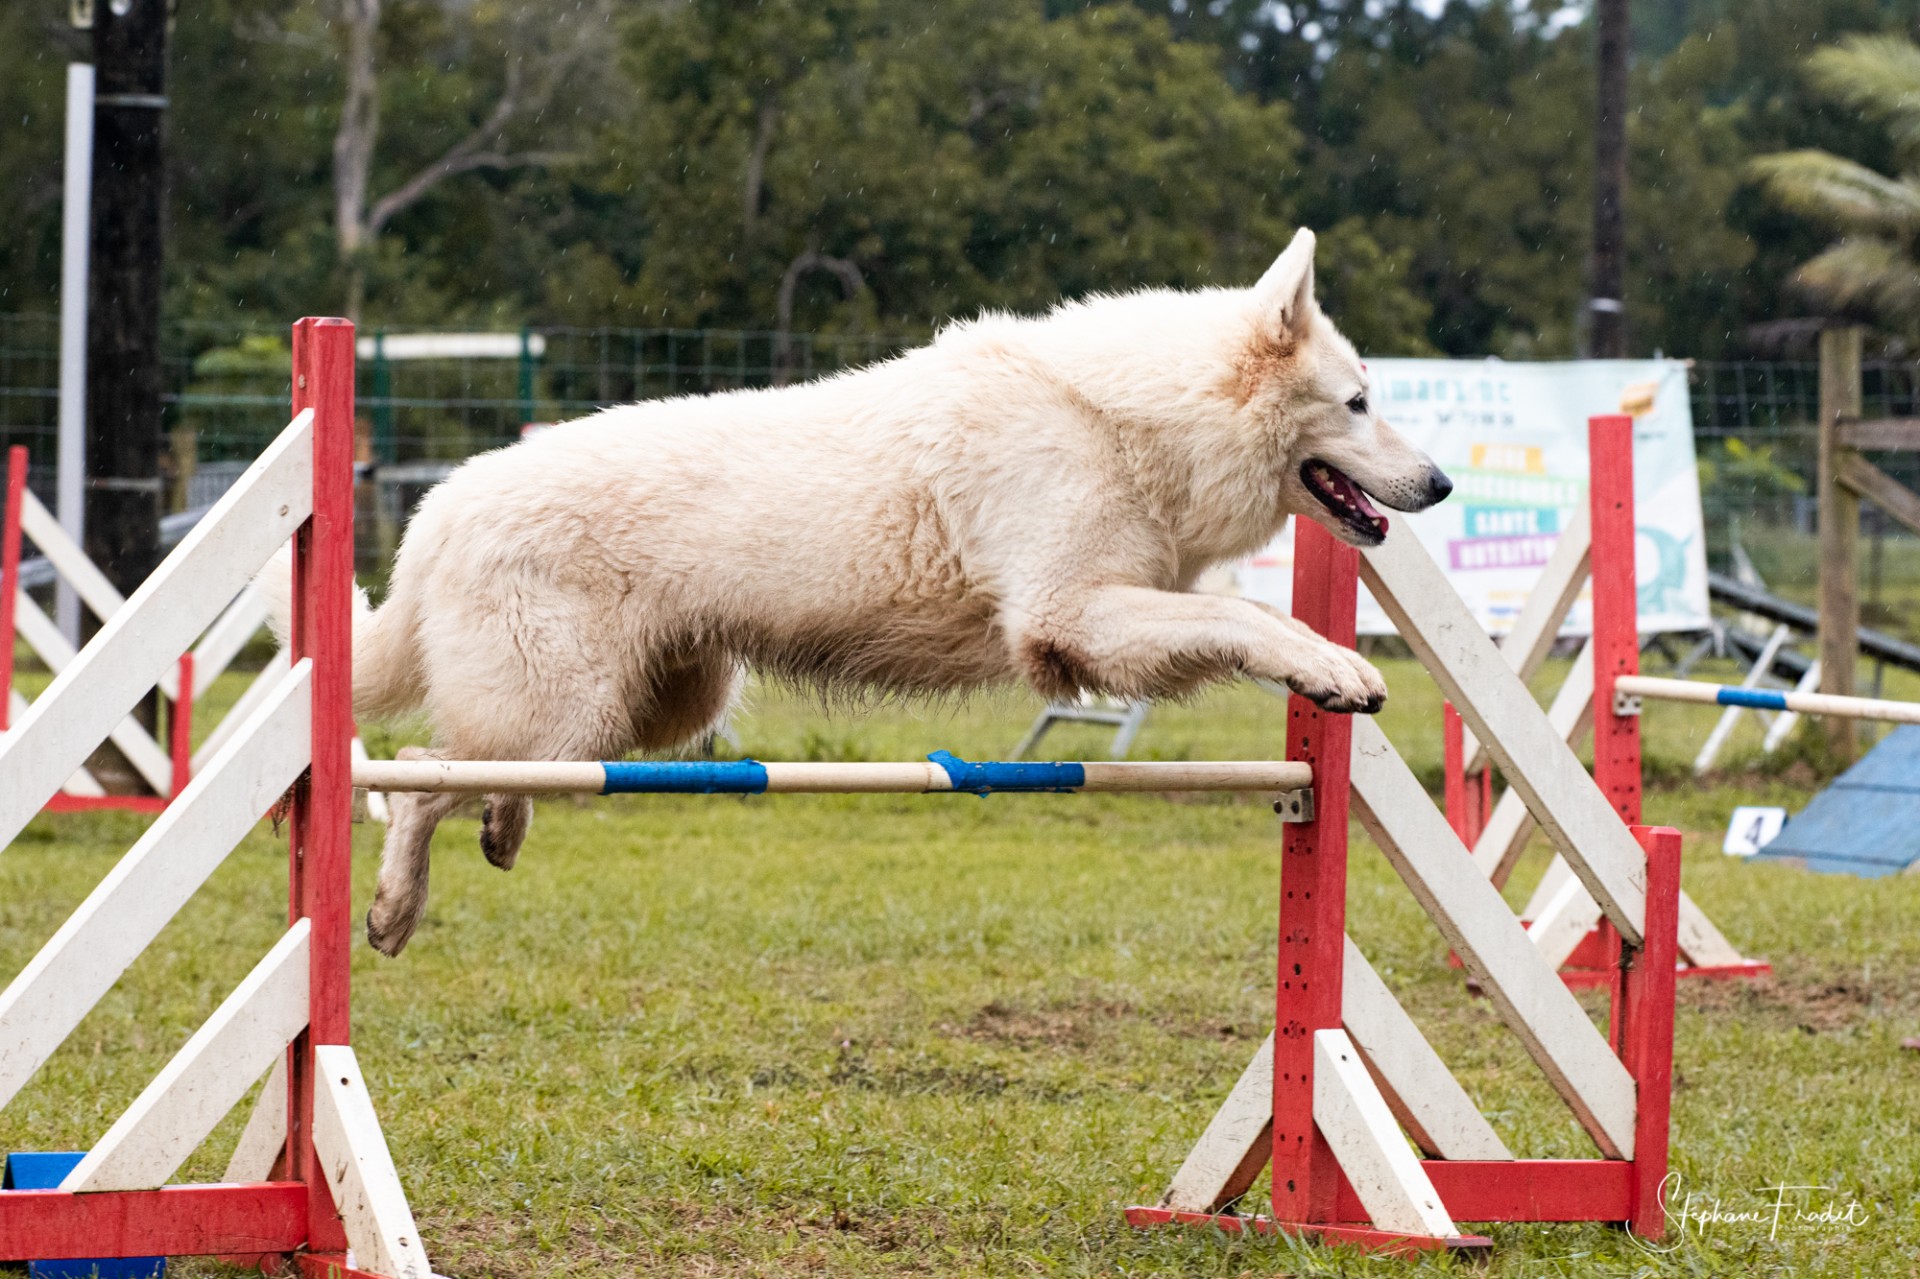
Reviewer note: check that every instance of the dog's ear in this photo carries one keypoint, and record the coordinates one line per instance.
(1285, 292)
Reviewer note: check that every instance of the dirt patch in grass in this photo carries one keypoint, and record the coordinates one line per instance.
(1816, 1007)
(1083, 1024)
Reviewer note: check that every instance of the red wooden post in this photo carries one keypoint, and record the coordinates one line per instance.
(1479, 804)
(1644, 1026)
(1453, 738)
(320, 846)
(10, 574)
(180, 726)
(1616, 636)
(1313, 893)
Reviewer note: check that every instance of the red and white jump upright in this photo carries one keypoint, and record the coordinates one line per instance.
(311, 1177)
(1598, 545)
(1334, 1095)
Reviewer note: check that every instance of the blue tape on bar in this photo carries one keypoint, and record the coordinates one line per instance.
(981, 779)
(688, 777)
(1759, 699)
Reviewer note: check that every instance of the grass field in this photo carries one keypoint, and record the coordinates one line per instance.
(865, 1036)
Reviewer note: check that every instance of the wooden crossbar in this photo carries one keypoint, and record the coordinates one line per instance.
(941, 773)
(1768, 699)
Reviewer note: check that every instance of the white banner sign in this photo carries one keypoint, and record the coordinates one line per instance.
(1514, 439)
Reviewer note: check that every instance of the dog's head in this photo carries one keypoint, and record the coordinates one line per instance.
(1309, 390)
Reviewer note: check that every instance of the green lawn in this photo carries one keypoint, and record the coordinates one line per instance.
(842, 1035)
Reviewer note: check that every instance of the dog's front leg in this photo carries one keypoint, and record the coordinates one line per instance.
(1140, 643)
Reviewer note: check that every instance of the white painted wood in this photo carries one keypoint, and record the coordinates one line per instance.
(1571, 715)
(481, 776)
(1756, 677)
(376, 802)
(76, 202)
(1525, 647)
(206, 1078)
(243, 706)
(1785, 723)
(1468, 910)
(1423, 1094)
(1566, 918)
(146, 755)
(82, 782)
(359, 1170)
(1235, 1146)
(171, 609)
(230, 633)
(265, 1135)
(1568, 806)
(122, 916)
(1353, 1117)
(1699, 942)
(1557, 874)
(70, 562)
(1686, 690)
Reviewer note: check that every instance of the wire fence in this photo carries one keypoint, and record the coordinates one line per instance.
(226, 394)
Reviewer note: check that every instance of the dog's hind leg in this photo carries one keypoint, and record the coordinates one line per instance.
(401, 898)
(503, 828)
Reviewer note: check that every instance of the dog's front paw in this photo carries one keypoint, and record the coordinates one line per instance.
(1340, 680)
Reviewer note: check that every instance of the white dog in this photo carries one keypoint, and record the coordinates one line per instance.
(1025, 499)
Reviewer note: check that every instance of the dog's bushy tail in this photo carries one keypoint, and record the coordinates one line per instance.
(385, 663)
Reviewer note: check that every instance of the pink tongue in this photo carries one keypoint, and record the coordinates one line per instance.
(1353, 491)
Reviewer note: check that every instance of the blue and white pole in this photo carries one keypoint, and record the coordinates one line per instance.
(940, 773)
(1631, 688)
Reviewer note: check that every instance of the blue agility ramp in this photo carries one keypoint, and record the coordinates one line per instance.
(1867, 822)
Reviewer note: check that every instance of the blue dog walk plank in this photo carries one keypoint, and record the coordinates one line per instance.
(45, 1170)
(1867, 823)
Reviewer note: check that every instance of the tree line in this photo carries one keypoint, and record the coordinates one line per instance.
(863, 165)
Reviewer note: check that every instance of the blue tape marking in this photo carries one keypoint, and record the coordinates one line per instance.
(980, 779)
(691, 777)
(1759, 699)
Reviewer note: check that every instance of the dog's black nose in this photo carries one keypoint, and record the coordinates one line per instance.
(1438, 486)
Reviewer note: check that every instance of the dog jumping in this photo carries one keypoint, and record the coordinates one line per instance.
(1024, 499)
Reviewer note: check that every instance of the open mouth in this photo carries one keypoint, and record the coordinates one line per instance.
(1347, 500)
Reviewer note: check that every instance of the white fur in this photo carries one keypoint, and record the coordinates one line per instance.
(1025, 499)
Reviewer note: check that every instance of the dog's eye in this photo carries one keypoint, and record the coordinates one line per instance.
(1358, 403)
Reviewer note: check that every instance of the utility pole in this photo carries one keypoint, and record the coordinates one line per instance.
(123, 329)
(1606, 307)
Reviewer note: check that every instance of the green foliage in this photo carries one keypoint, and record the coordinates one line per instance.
(1753, 471)
(1004, 153)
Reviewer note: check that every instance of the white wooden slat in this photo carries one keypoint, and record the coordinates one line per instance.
(123, 915)
(265, 1135)
(82, 782)
(1508, 826)
(1563, 920)
(243, 706)
(1235, 1146)
(206, 1078)
(1525, 647)
(1492, 700)
(1353, 1117)
(1468, 910)
(153, 763)
(377, 810)
(359, 1170)
(1421, 1091)
(229, 633)
(1558, 873)
(1700, 943)
(100, 596)
(171, 609)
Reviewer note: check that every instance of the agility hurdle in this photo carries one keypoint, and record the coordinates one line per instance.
(1333, 1097)
(1597, 546)
(311, 1176)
